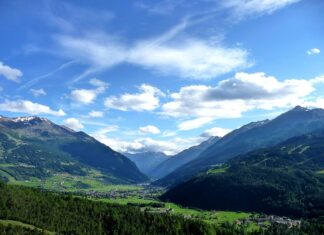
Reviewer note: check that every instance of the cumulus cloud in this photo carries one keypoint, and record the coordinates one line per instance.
(95, 114)
(313, 51)
(140, 145)
(37, 92)
(9, 73)
(149, 129)
(188, 58)
(200, 104)
(26, 106)
(216, 131)
(73, 124)
(87, 96)
(146, 100)
(244, 8)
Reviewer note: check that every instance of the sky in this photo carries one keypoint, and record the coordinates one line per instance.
(159, 75)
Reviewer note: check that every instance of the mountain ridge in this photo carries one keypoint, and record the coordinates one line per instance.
(181, 158)
(49, 149)
(286, 179)
(296, 121)
(147, 161)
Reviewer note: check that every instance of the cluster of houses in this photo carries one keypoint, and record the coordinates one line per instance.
(264, 219)
(148, 193)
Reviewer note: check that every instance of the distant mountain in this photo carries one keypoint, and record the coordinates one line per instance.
(297, 121)
(35, 148)
(287, 179)
(147, 161)
(181, 158)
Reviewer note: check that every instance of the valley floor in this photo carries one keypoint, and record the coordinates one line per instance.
(145, 197)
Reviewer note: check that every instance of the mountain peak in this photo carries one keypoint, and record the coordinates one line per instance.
(24, 119)
(29, 119)
(299, 108)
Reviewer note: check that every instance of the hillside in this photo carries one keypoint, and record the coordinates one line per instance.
(181, 158)
(287, 179)
(297, 121)
(147, 161)
(34, 149)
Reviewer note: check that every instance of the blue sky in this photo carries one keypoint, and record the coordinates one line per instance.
(159, 75)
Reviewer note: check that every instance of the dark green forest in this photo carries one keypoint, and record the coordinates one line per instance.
(66, 214)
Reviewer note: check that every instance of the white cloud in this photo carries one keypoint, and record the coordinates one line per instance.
(84, 96)
(166, 7)
(194, 123)
(188, 58)
(146, 100)
(106, 129)
(9, 73)
(315, 103)
(244, 8)
(87, 96)
(37, 92)
(313, 51)
(316, 80)
(216, 131)
(98, 83)
(149, 129)
(95, 114)
(200, 104)
(169, 147)
(73, 123)
(26, 106)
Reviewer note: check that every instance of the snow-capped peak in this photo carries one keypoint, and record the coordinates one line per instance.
(23, 119)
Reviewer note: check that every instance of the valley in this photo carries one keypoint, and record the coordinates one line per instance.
(269, 184)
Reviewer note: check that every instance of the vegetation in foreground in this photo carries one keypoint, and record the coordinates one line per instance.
(30, 211)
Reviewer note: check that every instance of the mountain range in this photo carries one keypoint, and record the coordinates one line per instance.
(180, 159)
(36, 148)
(286, 179)
(147, 161)
(297, 121)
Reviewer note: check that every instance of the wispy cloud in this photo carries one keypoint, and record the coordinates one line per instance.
(185, 57)
(37, 92)
(165, 7)
(244, 8)
(35, 80)
(96, 114)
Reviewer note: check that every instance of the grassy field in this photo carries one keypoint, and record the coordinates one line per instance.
(217, 217)
(320, 172)
(217, 170)
(20, 224)
(70, 183)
